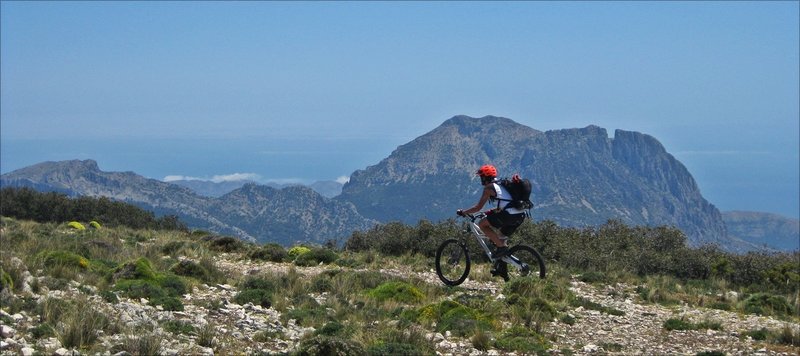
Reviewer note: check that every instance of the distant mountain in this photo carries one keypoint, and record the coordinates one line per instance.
(764, 229)
(580, 177)
(255, 213)
(210, 189)
(277, 213)
(328, 189)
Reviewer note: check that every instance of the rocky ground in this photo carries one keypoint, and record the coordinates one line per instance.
(236, 328)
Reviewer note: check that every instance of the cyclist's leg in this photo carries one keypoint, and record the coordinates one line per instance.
(489, 230)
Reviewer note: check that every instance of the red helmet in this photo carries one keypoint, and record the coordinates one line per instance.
(487, 170)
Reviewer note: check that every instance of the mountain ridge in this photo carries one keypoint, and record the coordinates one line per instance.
(580, 176)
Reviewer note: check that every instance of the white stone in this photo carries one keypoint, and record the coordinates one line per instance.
(27, 351)
(7, 331)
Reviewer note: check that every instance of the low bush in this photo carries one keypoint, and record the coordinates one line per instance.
(767, 304)
(397, 291)
(326, 345)
(456, 318)
(255, 290)
(270, 252)
(523, 340)
(315, 256)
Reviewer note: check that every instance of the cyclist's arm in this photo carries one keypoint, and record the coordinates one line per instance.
(488, 192)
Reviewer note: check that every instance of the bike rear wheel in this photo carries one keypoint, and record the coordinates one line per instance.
(452, 262)
(526, 262)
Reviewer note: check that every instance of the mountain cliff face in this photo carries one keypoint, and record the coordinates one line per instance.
(254, 213)
(580, 177)
(278, 214)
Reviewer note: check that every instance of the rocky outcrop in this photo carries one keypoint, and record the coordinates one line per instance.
(580, 177)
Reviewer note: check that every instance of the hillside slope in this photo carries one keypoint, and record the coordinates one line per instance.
(580, 177)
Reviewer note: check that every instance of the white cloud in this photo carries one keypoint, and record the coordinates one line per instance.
(235, 177)
(217, 178)
(173, 178)
(343, 179)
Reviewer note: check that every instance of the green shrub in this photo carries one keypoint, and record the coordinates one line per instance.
(456, 318)
(256, 296)
(588, 304)
(593, 277)
(138, 269)
(172, 247)
(298, 251)
(64, 259)
(679, 324)
(760, 334)
(224, 243)
(76, 225)
(326, 345)
(189, 268)
(315, 256)
(711, 353)
(255, 290)
(42, 331)
(767, 304)
(6, 283)
(520, 339)
(142, 344)
(270, 252)
(333, 328)
(94, 224)
(397, 291)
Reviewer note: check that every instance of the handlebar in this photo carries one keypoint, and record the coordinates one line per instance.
(473, 217)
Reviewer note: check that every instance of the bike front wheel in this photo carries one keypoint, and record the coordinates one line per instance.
(452, 262)
(524, 261)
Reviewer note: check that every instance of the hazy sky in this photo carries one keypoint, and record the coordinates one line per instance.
(716, 82)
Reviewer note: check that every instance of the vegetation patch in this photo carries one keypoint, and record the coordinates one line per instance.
(523, 340)
(397, 291)
(255, 290)
(137, 279)
(315, 256)
(767, 304)
(456, 318)
(326, 345)
(52, 259)
(588, 304)
(681, 324)
(271, 252)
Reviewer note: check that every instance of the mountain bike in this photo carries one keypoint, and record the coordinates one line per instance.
(453, 262)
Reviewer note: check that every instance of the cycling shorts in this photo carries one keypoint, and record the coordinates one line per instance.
(505, 222)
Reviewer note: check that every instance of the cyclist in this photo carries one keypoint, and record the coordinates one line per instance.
(501, 221)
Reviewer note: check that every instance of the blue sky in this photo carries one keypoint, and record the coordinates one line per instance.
(315, 90)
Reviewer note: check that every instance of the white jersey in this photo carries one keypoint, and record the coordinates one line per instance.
(503, 197)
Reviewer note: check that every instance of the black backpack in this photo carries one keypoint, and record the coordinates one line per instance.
(520, 190)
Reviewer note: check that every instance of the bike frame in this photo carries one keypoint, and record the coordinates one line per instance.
(482, 238)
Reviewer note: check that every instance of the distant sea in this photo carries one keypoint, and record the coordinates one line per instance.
(276, 160)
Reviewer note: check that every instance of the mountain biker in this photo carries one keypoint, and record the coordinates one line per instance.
(501, 221)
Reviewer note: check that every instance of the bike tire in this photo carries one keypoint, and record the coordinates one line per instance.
(529, 256)
(452, 262)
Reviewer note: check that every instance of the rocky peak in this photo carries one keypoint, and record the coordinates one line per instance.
(580, 177)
